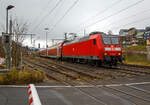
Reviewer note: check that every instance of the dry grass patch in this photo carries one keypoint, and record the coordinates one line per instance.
(22, 77)
(138, 59)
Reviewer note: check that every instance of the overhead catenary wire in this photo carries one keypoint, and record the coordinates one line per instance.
(50, 12)
(136, 21)
(129, 17)
(102, 11)
(41, 12)
(55, 15)
(68, 10)
(116, 13)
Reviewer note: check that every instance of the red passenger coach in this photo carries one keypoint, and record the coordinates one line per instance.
(52, 52)
(55, 51)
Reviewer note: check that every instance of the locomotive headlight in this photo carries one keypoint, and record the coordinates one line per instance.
(119, 53)
(107, 49)
(105, 54)
(118, 49)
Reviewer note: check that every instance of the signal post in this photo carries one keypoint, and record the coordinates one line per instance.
(6, 39)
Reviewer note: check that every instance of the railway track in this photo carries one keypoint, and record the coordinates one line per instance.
(100, 72)
(49, 65)
(72, 75)
(125, 69)
(139, 66)
(74, 70)
(66, 69)
(53, 73)
(34, 67)
(67, 83)
(137, 69)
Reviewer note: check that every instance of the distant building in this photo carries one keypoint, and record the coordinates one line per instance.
(123, 32)
(134, 35)
(140, 33)
(147, 36)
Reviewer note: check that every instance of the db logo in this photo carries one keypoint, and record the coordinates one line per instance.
(112, 48)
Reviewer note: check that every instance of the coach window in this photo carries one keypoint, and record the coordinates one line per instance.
(94, 41)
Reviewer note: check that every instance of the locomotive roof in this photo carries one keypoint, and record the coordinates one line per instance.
(102, 34)
(97, 32)
(87, 37)
(78, 40)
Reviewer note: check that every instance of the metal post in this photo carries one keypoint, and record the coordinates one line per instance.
(9, 46)
(34, 45)
(46, 43)
(31, 38)
(6, 20)
(84, 32)
(6, 47)
(39, 45)
(65, 36)
(21, 59)
(46, 40)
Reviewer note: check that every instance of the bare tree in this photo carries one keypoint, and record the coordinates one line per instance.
(19, 31)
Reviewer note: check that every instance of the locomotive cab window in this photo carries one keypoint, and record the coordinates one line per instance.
(106, 40)
(94, 41)
(110, 40)
(114, 40)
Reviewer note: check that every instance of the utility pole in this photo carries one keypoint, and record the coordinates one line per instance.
(65, 36)
(10, 44)
(52, 42)
(84, 32)
(31, 38)
(46, 29)
(34, 45)
(39, 45)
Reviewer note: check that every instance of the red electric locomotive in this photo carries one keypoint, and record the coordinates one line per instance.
(97, 47)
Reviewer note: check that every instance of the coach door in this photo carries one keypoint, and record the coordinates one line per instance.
(57, 51)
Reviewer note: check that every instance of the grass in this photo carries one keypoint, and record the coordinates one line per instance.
(22, 77)
(135, 48)
(138, 59)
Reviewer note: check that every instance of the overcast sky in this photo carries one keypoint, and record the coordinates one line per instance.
(76, 15)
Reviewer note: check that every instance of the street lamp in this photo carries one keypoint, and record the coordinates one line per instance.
(8, 8)
(46, 40)
(8, 45)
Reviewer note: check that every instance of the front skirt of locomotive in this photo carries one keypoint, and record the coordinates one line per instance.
(112, 59)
